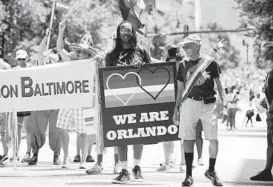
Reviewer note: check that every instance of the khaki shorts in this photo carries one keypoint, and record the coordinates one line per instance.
(190, 112)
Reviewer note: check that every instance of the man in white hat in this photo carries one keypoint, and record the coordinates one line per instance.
(199, 104)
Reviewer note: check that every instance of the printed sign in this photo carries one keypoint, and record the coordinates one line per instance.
(55, 86)
(137, 104)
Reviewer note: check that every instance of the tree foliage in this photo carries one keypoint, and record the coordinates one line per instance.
(258, 14)
(24, 22)
(228, 57)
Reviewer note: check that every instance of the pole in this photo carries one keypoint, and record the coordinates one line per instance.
(50, 24)
(14, 138)
(247, 53)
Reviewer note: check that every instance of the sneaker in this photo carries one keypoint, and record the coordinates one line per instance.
(82, 165)
(26, 158)
(182, 168)
(137, 174)
(214, 178)
(117, 168)
(66, 163)
(33, 160)
(77, 158)
(188, 181)
(262, 176)
(4, 158)
(96, 169)
(200, 162)
(172, 163)
(162, 167)
(56, 160)
(89, 158)
(12, 159)
(123, 178)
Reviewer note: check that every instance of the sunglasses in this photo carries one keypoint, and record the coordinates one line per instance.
(21, 59)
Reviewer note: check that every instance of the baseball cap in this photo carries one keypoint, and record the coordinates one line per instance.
(191, 39)
(21, 54)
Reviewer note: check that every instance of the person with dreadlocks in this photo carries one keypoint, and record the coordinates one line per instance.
(125, 53)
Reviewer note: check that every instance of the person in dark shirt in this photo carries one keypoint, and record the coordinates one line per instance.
(266, 174)
(200, 104)
(127, 52)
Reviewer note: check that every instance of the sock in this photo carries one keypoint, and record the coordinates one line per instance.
(137, 162)
(116, 157)
(35, 154)
(212, 164)
(189, 161)
(124, 165)
(99, 159)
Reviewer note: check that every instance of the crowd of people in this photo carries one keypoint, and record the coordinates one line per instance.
(194, 111)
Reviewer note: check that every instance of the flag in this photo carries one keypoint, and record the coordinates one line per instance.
(62, 7)
(132, 13)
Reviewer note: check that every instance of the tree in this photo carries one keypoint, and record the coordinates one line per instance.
(24, 22)
(258, 14)
(228, 57)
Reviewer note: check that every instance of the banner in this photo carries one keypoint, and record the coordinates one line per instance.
(137, 104)
(55, 86)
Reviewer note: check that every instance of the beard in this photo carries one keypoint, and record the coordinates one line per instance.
(126, 38)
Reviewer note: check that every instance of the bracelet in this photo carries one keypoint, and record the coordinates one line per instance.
(215, 49)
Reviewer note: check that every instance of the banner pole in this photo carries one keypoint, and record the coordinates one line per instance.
(14, 138)
(50, 24)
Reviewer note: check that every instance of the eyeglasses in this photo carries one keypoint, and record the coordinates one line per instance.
(21, 59)
(187, 47)
(125, 30)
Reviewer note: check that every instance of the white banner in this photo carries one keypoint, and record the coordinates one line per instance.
(55, 86)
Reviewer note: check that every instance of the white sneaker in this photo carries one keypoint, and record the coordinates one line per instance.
(163, 167)
(200, 162)
(182, 168)
(66, 163)
(172, 163)
(83, 165)
(96, 169)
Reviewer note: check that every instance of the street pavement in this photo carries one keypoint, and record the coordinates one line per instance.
(242, 154)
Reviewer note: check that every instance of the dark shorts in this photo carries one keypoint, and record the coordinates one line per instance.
(23, 114)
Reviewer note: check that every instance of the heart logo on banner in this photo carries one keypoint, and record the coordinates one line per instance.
(153, 72)
(123, 77)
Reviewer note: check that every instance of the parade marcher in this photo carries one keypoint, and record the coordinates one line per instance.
(232, 99)
(4, 119)
(266, 175)
(125, 53)
(37, 122)
(21, 59)
(73, 116)
(199, 104)
(173, 54)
